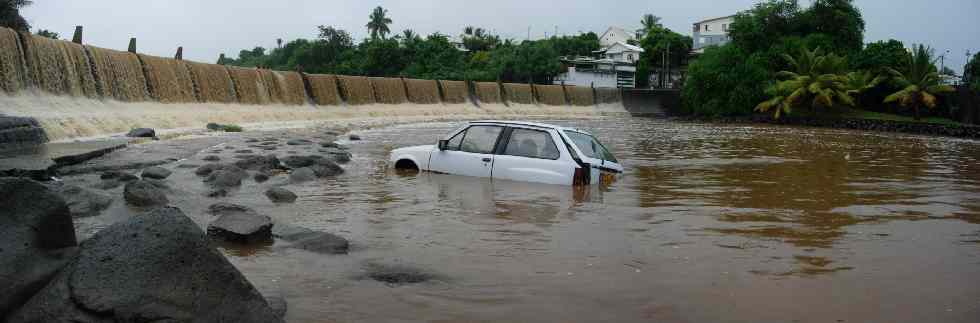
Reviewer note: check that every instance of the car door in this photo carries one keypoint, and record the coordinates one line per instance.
(532, 155)
(469, 153)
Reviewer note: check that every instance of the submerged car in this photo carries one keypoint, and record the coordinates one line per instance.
(518, 151)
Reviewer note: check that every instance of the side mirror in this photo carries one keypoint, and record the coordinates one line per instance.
(443, 144)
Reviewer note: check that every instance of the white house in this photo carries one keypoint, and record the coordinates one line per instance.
(583, 71)
(622, 53)
(711, 32)
(615, 35)
(613, 66)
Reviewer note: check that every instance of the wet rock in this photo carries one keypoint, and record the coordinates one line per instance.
(397, 274)
(120, 176)
(142, 133)
(329, 144)
(216, 192)
(214, 126)
(280, 195)
(259, 163)
(251, 140)
(21, 132)
(227, 177)
(338, 155)
(210, 169)
(304, 174)
(107, 185)
(155, 267)
(291, 232)
(261, 177)
(354, 137)
(269, 148)
(211, 158)
(159, 183)
(81, 202)
(240, 224)
(327, 168)
(278, 305)
(185, 166)
(331, 133)
(246, 156)
(36, 240)
(144, 194)
(299, 142)
(156, 172)
(219, 209)
(244, 151)
(300, 161)
(322, 242)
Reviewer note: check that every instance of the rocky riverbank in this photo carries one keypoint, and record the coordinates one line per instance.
(157, 262)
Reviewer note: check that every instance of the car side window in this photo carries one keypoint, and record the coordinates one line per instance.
(532, 144)
(480, 139)
(456, 140)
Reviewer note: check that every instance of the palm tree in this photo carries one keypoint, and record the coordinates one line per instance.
(814, 83)
(649, 22)
(378, 23)
(860, 82)
(408, 34)
(919, 82)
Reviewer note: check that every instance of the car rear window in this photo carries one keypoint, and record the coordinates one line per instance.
(532, 144)
(590, 146)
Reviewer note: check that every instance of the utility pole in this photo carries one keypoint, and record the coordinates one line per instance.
(528, 33)
(668, 66)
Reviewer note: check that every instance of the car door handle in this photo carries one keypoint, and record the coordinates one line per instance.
(486, 160)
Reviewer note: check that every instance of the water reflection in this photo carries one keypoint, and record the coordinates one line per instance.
(708, 223)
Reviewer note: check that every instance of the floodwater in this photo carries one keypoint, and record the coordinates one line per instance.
(708, 224)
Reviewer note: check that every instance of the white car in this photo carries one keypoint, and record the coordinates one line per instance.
(519, 151)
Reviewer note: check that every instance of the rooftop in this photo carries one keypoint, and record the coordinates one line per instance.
(713, 19)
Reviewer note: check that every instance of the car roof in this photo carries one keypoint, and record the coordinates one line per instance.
(525, 123)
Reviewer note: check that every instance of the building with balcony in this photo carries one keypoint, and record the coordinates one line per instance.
(711, 32)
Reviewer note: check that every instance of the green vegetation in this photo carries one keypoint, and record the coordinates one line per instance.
(919, 82)
(724, 81)
(488, 58)
(971, 73)
(10, 14)
(378, 24)
(769, 67)
(660, 46)
(815, 82)
(224, 127)
(48, 34)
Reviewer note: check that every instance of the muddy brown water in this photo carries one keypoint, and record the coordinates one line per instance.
(708, 224)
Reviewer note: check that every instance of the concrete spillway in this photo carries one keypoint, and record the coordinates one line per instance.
(75, 90)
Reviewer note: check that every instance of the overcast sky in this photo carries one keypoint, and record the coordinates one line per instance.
(207, 28)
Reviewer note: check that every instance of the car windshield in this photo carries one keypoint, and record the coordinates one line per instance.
(590, 146)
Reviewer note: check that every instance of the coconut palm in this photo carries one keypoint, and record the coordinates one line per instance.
(814, 83)
(919, 82)
(378, 23)
(649, 22)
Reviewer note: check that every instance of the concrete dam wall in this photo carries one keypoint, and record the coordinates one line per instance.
(78, 90)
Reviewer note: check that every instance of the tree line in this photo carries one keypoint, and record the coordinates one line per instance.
(787, 59)
(486, 57)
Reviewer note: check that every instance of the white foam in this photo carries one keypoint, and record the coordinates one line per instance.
(67, 118)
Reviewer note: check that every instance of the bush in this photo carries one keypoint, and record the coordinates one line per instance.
(725, 81)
